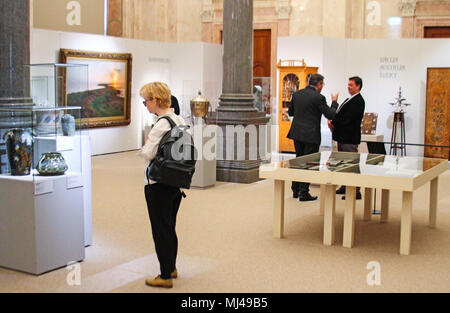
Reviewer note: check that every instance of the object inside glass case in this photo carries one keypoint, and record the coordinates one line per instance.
(331, 161)
(47, 127)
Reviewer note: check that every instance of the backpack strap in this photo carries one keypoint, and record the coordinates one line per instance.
(171, 122)
(172, 125)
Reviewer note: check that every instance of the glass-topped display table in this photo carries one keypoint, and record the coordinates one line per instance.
(369, 171)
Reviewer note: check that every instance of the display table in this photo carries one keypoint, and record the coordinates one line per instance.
(330, 169)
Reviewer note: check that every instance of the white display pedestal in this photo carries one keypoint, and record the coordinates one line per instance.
(41, 222)
(205, 167)
(69, 146)
(205, 174)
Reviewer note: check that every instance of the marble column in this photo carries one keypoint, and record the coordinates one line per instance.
(241, 142)
(15, 47)
(14, 77)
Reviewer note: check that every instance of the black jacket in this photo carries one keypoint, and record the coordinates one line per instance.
(347, 123)
(307, 106)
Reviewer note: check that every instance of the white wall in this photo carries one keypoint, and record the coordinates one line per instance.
(212, 73)
(312, 50)
(416, 55)
(170, 63)
(339, 59)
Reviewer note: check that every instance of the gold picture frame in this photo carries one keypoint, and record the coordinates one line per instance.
(108, 103)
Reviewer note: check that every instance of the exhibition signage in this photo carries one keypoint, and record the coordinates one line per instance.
(84, 16)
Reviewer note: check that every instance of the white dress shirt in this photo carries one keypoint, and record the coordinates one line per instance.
(159, 129)
(346, 100)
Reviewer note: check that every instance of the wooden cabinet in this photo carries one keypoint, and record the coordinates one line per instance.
(293, 74)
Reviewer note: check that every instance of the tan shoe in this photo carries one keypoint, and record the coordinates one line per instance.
(159, 282)
(174, 274)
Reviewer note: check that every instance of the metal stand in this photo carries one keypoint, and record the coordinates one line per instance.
(399, 117)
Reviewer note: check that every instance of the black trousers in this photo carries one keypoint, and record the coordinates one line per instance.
(163, 202)
(303, 148)
(347, 147)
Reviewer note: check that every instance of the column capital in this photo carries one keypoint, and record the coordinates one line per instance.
(207, 13)
(283, 8)
(408, 8)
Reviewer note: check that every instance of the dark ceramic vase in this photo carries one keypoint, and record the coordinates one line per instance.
(19, 147)
(51, 164)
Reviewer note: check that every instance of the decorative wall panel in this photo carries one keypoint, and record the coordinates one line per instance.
(437, 123)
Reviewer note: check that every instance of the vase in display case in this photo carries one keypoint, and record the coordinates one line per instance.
(47, 122)
(68, 125)
(19, 147)
(52, 164)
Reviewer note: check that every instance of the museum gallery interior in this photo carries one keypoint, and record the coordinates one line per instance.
(73, 214)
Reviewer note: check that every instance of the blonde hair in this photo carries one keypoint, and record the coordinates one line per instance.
(157, 90)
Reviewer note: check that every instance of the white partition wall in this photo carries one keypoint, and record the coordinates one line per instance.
(385, 65)
(166, 62)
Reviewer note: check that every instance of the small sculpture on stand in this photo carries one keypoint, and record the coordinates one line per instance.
(399, 117)
(399, 103)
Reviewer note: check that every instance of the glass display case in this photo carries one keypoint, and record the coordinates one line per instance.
(44, 139)
(261, 93)
(45, 209)
(363, 163)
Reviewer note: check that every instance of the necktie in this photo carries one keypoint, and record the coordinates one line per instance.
(342, 105)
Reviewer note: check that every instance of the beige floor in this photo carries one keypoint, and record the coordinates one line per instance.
(226, 243)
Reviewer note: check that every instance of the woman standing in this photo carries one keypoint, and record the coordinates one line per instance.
(163, 201)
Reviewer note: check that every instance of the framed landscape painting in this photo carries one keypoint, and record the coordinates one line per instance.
(107, 102)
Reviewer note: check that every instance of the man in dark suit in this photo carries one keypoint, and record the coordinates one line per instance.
(346, 126)
(307, 106)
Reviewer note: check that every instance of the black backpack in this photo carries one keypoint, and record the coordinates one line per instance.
(174, 163)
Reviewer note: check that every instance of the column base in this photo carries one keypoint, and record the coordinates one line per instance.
(237, 176)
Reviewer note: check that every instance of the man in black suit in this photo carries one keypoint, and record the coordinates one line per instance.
(346, 126)
(307, 106)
